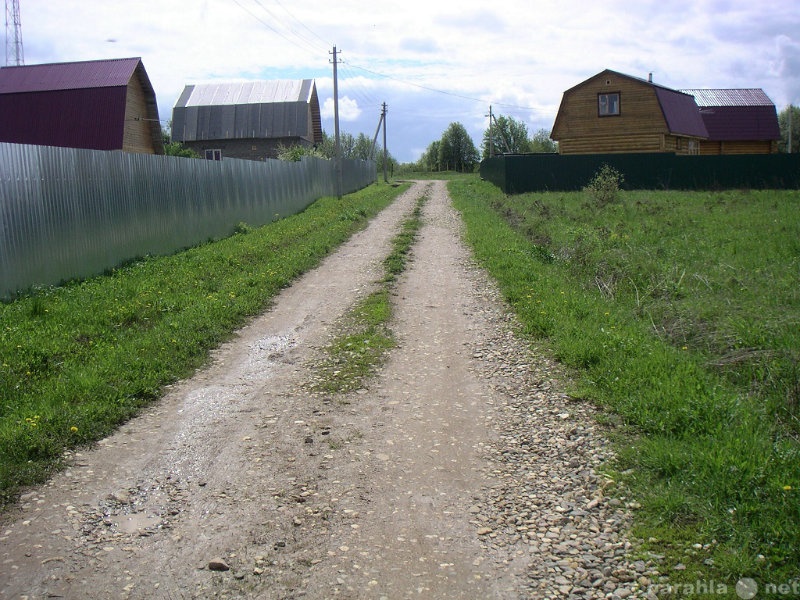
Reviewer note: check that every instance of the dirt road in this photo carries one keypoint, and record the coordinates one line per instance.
(461, 470)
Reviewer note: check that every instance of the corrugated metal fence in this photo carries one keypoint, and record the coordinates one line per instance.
(67, 213)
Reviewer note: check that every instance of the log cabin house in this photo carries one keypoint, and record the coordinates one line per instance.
(248, 120)
(97, 105)
(616, 113)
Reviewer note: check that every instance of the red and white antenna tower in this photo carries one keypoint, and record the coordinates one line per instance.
(15, 56)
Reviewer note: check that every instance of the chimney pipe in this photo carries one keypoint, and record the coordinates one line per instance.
(650, 77)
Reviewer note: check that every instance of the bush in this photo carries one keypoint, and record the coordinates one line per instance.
(296, 152)
(605, 185)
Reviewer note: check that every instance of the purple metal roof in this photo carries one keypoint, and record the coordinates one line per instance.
(67, 76)
(737, 114)
(73, 105)
(743, 123)
(680, 112)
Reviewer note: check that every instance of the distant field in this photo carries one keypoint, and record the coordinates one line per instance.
(680, 313)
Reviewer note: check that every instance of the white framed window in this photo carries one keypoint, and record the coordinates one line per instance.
(608, 104)
(214, 154)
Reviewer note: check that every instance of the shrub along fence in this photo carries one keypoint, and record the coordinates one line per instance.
(520, 173)
(67, 213)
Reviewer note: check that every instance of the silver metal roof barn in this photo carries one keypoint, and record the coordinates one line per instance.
(248, 110)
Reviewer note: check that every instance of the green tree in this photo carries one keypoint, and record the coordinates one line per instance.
(429, 161)
(363, 148)
(789, 114)
(506, 135)
(541, 142)
(457, 151)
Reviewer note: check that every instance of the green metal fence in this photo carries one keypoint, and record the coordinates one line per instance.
(519, 173)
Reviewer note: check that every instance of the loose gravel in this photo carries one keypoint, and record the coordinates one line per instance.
(463, 469)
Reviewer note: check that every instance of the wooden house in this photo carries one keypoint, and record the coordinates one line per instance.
(99, 105)
(615, 113)
(250, 120)
(738, 121)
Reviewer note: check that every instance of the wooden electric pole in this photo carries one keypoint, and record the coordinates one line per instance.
(491, 134)
(385, 152)
(337, 160)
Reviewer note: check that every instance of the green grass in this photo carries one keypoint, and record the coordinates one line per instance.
(78, 360)
(365, 337)
(680, 314)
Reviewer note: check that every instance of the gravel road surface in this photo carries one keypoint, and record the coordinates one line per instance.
(461, 470)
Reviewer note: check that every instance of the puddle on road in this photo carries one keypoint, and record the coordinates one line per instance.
(135, 522)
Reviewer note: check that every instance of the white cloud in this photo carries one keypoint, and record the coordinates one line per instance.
(520, 58)
(348, 109)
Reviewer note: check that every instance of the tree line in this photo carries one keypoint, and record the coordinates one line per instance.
(456, 151)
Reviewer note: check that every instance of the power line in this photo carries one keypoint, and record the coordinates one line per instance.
(438, 91)
(270, 27)
(315, 50)
(311, 44)
(306, 27)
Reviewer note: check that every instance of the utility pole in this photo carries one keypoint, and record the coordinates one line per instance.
(491, 136)
(381, 121)
(385, 152)
(337, 161)
(15, 56)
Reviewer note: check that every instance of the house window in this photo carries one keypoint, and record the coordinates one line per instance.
(213, 154)
(608, 104)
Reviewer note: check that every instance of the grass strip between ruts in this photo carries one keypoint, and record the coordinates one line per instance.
(364, 339)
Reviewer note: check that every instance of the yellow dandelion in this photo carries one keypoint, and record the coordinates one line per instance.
(73, 429)
(787, 487)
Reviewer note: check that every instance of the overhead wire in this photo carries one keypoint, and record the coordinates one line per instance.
(313, 50)
(306, 27)
(306, 40)
(438, 91)
(363, 93)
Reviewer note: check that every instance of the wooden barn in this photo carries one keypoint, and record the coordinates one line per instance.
(249, 120)
(738, 121)
(617, 113)
(99, 105)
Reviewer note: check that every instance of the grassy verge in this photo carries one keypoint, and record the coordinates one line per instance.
(78, 360)
(365, 338)
(680, 313)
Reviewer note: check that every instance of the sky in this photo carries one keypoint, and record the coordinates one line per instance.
(433, 63)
